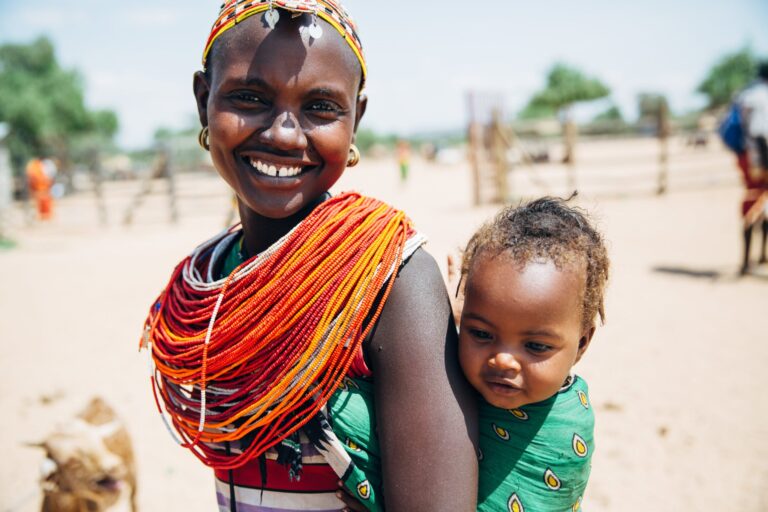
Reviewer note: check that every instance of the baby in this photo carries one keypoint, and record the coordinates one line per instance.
(534, 280)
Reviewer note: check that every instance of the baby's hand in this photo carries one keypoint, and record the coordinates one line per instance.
(457, 298)
(352, 505)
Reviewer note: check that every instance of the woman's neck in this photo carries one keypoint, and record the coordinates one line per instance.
(261, 232)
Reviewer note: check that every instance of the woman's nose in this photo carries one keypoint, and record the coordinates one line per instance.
(504, 361)
(285, 133)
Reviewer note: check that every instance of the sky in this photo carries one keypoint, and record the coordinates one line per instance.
(138, 57)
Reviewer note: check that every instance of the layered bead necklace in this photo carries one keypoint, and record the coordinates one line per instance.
(251, 358)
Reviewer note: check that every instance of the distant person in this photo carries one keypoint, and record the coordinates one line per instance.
(535, 279)
(753, 163)
(40, 182)
(404, 159)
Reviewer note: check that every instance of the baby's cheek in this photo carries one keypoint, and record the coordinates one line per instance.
(472, 361)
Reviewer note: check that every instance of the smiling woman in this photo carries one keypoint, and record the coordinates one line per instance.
(259, 327)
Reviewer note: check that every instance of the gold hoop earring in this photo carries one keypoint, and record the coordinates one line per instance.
(354, 156)
(202, 139)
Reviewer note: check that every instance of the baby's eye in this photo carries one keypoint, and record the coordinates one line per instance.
(538, 348)
(480, 334)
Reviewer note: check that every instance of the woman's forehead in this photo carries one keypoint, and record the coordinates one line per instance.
(313, 15)
(289, 48)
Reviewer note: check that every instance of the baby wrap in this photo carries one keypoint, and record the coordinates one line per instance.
(535, 458)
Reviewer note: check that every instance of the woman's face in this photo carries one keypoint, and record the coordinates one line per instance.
(282, 110)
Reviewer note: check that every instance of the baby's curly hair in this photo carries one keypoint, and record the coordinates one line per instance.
(548, 229)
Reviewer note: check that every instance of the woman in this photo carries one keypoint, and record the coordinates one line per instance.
(279, 101)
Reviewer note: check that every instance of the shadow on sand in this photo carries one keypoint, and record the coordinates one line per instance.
(726, 275)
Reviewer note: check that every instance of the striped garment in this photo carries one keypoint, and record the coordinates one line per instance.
(316, 490)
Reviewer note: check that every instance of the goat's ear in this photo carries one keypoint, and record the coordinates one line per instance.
(47, 468)
(38, 444)
(108, 429)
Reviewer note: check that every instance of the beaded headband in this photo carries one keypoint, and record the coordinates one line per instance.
(234, 11)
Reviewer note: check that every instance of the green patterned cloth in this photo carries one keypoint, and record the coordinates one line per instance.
(353, 420)
(536, 458)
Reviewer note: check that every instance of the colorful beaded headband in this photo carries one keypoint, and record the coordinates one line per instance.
(234, 11)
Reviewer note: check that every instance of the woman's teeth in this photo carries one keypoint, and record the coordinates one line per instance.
(273, 170)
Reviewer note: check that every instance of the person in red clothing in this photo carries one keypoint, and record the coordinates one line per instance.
(753, 163)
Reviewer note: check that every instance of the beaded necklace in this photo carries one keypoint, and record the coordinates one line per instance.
(249, 359)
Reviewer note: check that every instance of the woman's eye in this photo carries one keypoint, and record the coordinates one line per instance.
(246, 97)
(538, 348)
(480, 335)
(324, 107)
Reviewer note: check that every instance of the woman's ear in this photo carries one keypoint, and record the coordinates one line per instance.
(586, 339)
(362, 104)
(202, 90)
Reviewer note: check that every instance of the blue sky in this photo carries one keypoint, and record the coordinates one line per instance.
(138, 57)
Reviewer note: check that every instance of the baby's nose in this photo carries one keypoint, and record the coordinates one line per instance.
(505, 361)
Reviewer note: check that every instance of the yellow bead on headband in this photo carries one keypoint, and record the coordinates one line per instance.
(234, 11)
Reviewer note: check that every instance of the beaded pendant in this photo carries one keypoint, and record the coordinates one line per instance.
(272, 16)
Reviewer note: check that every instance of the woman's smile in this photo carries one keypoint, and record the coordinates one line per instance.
(280, 129)
(277, 167)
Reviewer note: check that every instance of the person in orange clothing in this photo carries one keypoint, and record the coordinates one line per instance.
(40, 184)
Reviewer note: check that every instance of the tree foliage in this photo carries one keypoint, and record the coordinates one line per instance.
(534, 110)
(612, 113)
(366, 139)
(43, 104)
(565, 86)
(650, 104)
(730, 74)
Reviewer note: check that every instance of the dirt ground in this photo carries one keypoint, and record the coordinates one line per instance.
(675, 374)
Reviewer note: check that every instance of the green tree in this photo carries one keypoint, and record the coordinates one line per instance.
(536, 110)
(730, 74)
(566, 86)
(44, 107)
(366, 139)
(612, 113)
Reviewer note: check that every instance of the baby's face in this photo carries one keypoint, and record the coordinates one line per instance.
(521, 329)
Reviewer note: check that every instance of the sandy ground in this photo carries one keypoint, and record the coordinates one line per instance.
(675, 375)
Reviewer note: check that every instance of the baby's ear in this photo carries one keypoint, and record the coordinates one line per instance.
(586, 339)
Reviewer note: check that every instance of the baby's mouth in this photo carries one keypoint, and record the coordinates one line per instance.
(502, 385)
(276, 169)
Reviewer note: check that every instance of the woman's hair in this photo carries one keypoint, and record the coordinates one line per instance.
(547, 229)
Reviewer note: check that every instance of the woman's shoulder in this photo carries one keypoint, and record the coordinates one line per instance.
(417, 311)
(418, 271)
(418, 293)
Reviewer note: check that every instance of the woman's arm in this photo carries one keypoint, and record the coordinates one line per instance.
(426, 411)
